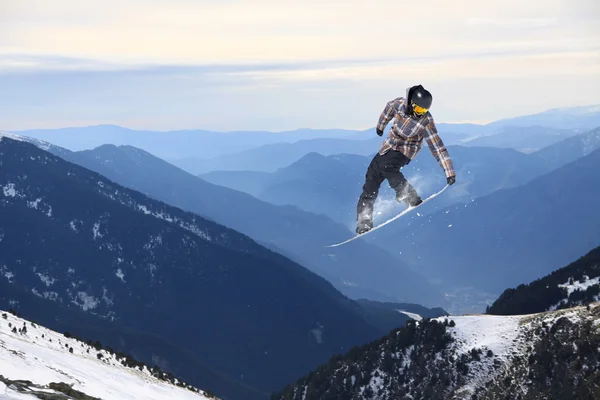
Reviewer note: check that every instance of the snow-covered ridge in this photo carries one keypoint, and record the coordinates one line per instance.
(34, 353)
(39, 143)
(500, 340)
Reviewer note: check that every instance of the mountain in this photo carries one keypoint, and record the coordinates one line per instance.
(548, 355)
(580, 117)
(199, 151)
(524, 139)
(331, 185)
(525, 133)
(59, 151)
(75, 239)
(144, 346)
(269, 158)
(508, 237)
(569, 149)
(43, 364)
(575, 284)
(177, 144)
(298, 235)
(551, 354)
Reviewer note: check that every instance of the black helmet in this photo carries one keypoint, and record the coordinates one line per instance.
(419, 96)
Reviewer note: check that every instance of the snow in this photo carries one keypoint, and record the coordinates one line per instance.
(9, 394)
(493, 332)
(120, 274)
(575, 286)
(49, 281)
(506, 336)
(87, 302)
(96, 231)
(500, 334)
(580, 285)
(412, 315)
(39, 143)
(28, 356)
(34, 204)
(9, 190)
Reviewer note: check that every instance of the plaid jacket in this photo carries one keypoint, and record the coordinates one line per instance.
(408, 132)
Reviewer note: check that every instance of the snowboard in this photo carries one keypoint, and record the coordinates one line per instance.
(409, 209)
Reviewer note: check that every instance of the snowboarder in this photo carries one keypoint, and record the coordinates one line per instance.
(413, 123)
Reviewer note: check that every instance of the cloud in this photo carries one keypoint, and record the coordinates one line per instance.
(180, 63)
(185, 32)
(527, 23)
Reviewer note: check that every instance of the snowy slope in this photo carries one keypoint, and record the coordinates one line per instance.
(510, 338)
(469, 357)
(36, 142)
(39, 143)
(500, 334)
(43, 356)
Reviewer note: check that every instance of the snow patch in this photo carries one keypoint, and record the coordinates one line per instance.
(9, 190)
(96, 231)
(87, 302)
(580, 285)
(187, 226)
(493, 332)
(73, 226)
(153, 242)
(572, 286)
(7, 273)
(414, 316)
(49, 281)
(34, 204)
(120, 275)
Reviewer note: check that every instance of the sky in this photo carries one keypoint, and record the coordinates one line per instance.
(280, 65)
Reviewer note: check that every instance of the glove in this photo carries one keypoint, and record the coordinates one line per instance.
(451, 180)
(379, 132)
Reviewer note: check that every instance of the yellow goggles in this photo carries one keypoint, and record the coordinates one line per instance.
(419, 110)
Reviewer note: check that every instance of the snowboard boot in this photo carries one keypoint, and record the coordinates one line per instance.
(409, 197)
(413, 200)
(364, 222)
(363, 226)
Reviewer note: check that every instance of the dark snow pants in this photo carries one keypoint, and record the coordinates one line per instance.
(383, 167)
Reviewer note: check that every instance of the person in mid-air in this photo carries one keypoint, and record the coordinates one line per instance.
(413, 123)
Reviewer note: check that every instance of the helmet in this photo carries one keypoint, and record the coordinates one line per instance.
(419, 100)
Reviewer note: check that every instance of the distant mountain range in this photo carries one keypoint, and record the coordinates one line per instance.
(580, 117)
(200, 151)
(176, 144)
(287, 230)
(508, 237)
(569, 149)
(331, 185)
(270, 158)
(524, 139)
(517, 355)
